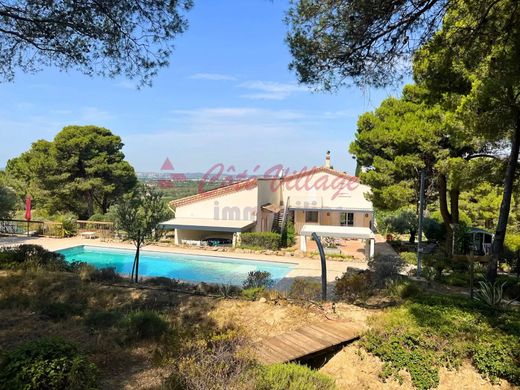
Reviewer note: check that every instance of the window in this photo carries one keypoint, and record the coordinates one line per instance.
(346, 219)
(311, 216)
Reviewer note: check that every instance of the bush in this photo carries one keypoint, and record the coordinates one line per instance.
(288, 237)
(385, 268)
(143, 325)
(47, 364)
(59, 311)
(438, 261)
(108, 274)
(431, 331)
(353, 286)
(264, 240)
(219, 362)
(292, 376)
(403, 289)
(306, 289)
(409, 257)
(29, 256)
(257, 279)
(69, 223)
(102, 319)
(434, 230)
(252, 293)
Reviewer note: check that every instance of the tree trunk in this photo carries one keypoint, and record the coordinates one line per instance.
(445, 213)
(505, 206)
(412, 236)
(137, 256)
(90, 204)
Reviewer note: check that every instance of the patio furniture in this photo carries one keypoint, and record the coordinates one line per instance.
(89, 235)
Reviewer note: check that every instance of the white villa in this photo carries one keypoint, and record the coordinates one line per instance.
(321, 199)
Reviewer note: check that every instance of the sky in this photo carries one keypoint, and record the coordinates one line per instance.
(227, 98)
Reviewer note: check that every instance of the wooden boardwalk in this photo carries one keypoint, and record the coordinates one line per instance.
(305, 341)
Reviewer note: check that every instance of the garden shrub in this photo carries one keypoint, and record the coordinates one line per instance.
(218, 362)
(29, 256)
(306, 289)
(403, 289)
(353, 286)
(264, 240)
(288, 236)
(47, 364)
(59, 310)
(108, 274)
(409, 257)
(431, 331)
(102, 319)
(69, 223)
(257, 279)
(385, 268)
(438, 261)
(252, 293)
(291, 376)
(143, 325)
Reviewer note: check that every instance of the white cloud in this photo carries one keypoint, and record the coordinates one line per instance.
(213, 77)
(127, 84)
(94, 115)
(270, 90)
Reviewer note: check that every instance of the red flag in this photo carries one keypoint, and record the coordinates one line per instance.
(28, 208)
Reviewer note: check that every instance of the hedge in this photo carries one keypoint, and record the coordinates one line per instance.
(264, 240)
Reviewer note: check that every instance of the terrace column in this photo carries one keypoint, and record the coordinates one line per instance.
(177, 240)
(303, 243)
(372, 248)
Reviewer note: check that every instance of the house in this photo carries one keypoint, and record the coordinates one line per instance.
(319, 196)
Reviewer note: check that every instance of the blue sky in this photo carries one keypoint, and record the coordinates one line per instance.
(227, 97)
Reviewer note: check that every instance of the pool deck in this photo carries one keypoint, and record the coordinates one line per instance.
(304, 267)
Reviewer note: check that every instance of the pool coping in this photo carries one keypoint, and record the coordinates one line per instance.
(305, 267)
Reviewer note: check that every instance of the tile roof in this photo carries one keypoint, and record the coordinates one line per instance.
(252, 183)
(235, 187)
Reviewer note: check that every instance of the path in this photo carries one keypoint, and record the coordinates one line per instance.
(305, 341)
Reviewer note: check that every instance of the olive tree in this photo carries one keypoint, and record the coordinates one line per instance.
(139, 214)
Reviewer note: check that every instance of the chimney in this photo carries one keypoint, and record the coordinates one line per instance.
(327, 160)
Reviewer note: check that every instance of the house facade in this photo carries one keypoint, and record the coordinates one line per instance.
(319, 196)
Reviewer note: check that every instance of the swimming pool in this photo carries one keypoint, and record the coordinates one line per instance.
(193, 268)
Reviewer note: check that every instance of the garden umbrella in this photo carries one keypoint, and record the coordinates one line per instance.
(28, 208)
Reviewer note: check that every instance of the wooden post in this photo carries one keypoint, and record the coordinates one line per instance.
(323, 267)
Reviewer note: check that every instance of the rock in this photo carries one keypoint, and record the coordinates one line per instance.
(270, 253)
(262, 300)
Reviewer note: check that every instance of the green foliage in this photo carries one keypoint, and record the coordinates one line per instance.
(82, 169)
(68, 222)
(109, 40)
(264, 240)
(28, 256)
(8, 202)
(403, 289)
(306, 289)
(102, 319)
(291, 376)
(143, 325)
(491, 294)
(252, 293)
(47, 364)
(431, 331)
(434, 230)
(353, 286)
(257, 279)
(59, 310)
(288, 236)
(385, 268)
(403, 221)
(409, 257)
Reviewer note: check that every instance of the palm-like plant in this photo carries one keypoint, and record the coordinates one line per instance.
(491, 294)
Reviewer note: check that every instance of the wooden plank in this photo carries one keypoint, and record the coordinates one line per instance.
(304, 341)
(334, 335)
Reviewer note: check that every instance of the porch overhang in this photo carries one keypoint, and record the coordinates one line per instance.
(338, 231)
(359, 233)
(214, 225)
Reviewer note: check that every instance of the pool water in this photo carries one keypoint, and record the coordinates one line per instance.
(193, 268)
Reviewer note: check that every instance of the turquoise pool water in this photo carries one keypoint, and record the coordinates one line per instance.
(192, 268)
